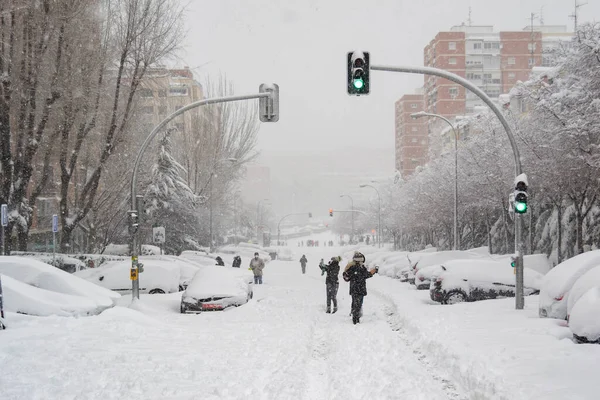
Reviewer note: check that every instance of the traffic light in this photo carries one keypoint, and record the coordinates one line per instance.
(331, 212)
(268, 107)
(358, 73)
(134, 221)
(513, 261)
(521, 194)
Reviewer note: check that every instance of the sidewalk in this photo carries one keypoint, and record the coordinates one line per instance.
(493, 351)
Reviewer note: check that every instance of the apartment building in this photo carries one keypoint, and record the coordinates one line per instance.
(493, 61)
(412, 138)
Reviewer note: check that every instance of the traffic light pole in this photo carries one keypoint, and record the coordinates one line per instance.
(519, 300)
(158, 128)
(281, 220)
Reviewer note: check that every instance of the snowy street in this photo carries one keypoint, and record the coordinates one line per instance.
(282, 345)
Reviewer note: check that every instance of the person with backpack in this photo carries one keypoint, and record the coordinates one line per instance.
(357, 274)
(332, 283)
(303, 262)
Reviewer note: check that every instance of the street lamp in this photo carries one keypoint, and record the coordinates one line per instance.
(378, 213)
(258, 218)
(210, 203)
(421, 114)
(352, 214)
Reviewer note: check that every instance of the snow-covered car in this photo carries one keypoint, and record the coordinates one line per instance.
(216, 289)
(584, 320)
(19, 297)
(198, 257)
(587, 281)
(473, 280)
(41, 275)
(187, 268)
(423, 260)
(404, 274)
(285, 254)
(558, 282)
(158, 277)
(424, 275)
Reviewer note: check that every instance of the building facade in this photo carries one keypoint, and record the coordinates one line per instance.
(412, 138)
(493, 61)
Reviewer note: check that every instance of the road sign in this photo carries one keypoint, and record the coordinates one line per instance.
(55, 223)
(158, 234)
(4, 218)
(133, 274)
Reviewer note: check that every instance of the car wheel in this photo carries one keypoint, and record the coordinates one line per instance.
(455, 296)
(156, 291)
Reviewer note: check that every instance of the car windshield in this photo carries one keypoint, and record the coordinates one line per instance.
(310, 199)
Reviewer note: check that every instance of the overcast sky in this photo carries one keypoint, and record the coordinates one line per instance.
(302, 46)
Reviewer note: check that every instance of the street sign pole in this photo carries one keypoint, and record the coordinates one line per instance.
(1, 307)
(4, 223)
(54, 230)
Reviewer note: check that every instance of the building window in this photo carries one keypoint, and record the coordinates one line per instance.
(453, 92)
(491, 45)
(423, 142)
(451, 45)
(414, 129)
(477, 46)
(452, 61)
(413, 105)
(512, 61)
(531, 62)
(178, 91)
(145, 93)
(414, 140)
(531, 46)
(512, 75)
(148, 110)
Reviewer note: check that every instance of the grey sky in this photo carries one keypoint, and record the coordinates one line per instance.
(301, 45)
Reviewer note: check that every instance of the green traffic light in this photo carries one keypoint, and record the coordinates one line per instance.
(521, 207)
(358, 83)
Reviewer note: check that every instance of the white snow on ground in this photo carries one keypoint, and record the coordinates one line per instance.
(281, 345)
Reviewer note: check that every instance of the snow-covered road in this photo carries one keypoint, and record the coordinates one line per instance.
(282, 345)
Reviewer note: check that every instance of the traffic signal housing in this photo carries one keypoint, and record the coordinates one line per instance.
(358, 73)
(521, 196)
(331, 212)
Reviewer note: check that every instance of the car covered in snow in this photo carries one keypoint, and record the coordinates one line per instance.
(584, 319)
(473, 280)
(587, 281)
(216, 289)
(557, 283)
(159, 276)
(423, 260)
(44, 276)
(199, 257)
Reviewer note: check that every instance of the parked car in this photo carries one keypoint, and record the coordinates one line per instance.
(423, 260)
(198, 257)
(424, 275)
(159, 276)
(587, 281)
(19, 297)
(584, 319)
(404, 274)
(473, 280)
(216, 289)
(558, 282)
(44, 276)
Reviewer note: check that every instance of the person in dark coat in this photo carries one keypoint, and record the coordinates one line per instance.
(332, 283)
(303, 262)
(219, 261)
(237, 262)
(357, 274)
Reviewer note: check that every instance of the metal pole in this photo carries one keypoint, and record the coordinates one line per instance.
(2, 234)
(511, 138)
(519, 298)
(210, 214)
(54, 248)
(146, 143)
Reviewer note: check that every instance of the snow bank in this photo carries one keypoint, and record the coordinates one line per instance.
(587, 281)
(44, 276)
(22, 298)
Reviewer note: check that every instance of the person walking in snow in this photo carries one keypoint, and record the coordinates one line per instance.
(322, 267)
(303, 262)
(357, 274)
(237, 262)
(332, 283)
(257, 265)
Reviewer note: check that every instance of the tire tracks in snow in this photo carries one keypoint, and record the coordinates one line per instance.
(392, 318)
(317, 368)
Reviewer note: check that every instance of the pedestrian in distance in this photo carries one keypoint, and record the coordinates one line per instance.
(332, 283)
(220, 261)
(357, 274)
(303, 262)
(237, 262)
(322, 267)
(257, 265)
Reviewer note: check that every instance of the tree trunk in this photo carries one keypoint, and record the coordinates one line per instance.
(579, 231)
(559, 230)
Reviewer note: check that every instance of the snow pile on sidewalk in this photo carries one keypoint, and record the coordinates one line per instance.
(492, 350)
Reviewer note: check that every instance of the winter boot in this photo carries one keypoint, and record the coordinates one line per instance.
(334, 310)
(328, 310)
(354, 320)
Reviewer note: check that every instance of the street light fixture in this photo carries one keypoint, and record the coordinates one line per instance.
(378, 213)
(210, 204)
(352, 214)
(422, 114)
